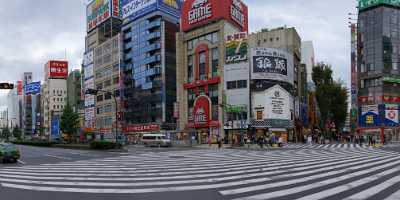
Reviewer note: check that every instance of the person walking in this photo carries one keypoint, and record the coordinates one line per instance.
(219, 142)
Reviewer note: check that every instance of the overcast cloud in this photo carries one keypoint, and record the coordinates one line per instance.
(34, 31)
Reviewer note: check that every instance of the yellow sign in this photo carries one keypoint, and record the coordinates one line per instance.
(370, 119)
(171, 3)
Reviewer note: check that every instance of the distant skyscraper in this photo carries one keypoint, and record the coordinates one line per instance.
(308, 57)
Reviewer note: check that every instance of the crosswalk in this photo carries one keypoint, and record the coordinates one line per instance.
(326, 146)
(305, 174)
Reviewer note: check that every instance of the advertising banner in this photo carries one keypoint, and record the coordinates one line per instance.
(133, 9)
(88, 72)
(88, 58)
(97, 12)
(141, 128)
(58, 69)
(277, 104)
(391, 115)
(32, 88)
(236, 48)
(272, 64)
(369, 116)
(354, 84)
(55, 127)
(364, 4)
(19, 88)
(199, 12)
(202, 111)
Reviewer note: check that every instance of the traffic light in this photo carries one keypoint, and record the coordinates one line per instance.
(6, 86)
(91, 91)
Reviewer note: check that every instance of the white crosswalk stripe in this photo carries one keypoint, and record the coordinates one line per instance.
(326, 146)
(314, 171)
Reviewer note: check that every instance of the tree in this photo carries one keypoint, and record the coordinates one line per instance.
(5, 134)
(17, 133)
(69, 122)
(332, 96)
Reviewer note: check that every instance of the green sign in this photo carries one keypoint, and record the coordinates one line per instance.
(363, 4)
(234, 108)
(391, 79)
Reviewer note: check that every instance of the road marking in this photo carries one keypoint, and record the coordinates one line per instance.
(58, 157)
(21, 162)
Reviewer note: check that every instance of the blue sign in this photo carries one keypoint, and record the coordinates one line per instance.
(32, 88)
(370, 116)
(134, 9)
(55, 127)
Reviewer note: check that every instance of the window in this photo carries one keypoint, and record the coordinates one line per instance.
(215, 60)
(99, 98)
(107, 96)
(99, 86)
(215, 37)
(259, 115)
(190, 69)
(202, 66)
(242, 84)
(107, 83)
(231, 85)
(236, 84)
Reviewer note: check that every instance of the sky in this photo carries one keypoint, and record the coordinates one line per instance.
(35, 31)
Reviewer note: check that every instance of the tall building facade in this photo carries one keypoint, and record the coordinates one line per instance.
(149, 65)
(74, 91)
(378, 68)
(13, 107)
(107, 79)
(200, 55)
(276, 69)
(308, 58)
(26, 105)
(100, 66)
(54, 96)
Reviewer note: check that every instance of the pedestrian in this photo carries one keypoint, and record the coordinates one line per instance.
(309, 139)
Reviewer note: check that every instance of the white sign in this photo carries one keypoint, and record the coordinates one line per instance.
(272, 64)
(275, 103)
(201, 10)
(237, 12)
(88, 58)
(136, 5)
(392, 113)
(88, 72)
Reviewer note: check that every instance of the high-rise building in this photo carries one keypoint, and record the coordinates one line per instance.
(378, 50)
(103, 28)
(276, 69)
(308, 58)
(54, 96)
(201, 50)
(149, 65)
(106, 79)
(13, 99)
(26, 105)
(74, 91)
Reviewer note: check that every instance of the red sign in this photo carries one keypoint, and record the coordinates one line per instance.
(19, 87)
(201, 111)
(58, 69)
(141, 128)
(199, 12)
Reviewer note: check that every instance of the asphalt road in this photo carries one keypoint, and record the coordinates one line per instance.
(306, 172)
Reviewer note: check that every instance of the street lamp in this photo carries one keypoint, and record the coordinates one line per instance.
(95, 92)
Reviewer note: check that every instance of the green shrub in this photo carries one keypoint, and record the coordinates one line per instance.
(103, 145)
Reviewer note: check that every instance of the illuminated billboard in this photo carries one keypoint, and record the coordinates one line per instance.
(57, 69)
(199, 12)
(134, 9)
(99, 11)
(236, 48)
(364, 4)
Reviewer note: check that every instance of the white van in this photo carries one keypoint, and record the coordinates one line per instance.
(157, 140)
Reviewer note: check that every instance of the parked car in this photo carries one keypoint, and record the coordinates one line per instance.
(157, 140)
(9, 152)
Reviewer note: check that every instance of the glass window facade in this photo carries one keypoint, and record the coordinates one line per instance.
(149, 68)
(378, 50)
